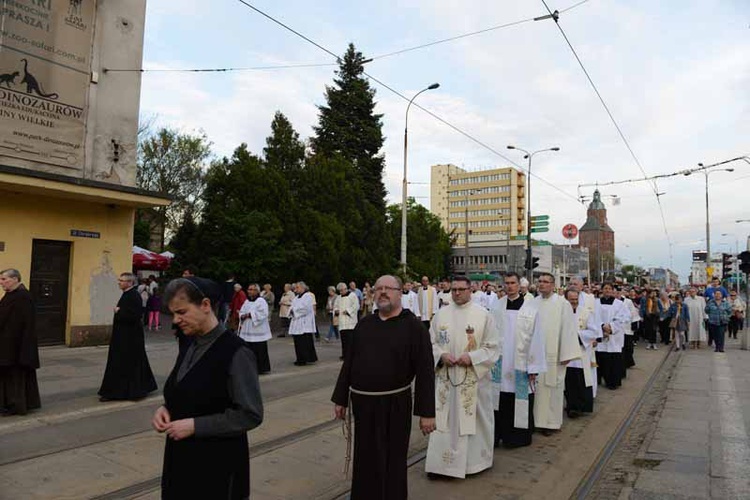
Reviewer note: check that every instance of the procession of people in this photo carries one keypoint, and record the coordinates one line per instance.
(483, 366)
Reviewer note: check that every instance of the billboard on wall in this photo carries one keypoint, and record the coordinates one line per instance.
(45, 59)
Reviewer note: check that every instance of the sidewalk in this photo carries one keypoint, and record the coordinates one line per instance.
(699, 447)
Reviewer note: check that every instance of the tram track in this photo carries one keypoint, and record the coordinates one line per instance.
(595, 472)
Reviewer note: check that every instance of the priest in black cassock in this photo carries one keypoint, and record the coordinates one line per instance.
(128, 374)
(388, 350)
(19, 354)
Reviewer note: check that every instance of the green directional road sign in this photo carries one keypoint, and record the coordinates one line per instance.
(539, 229)
(535, 218)
(539, 223)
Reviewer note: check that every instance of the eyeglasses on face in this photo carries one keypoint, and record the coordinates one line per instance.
(386, 288)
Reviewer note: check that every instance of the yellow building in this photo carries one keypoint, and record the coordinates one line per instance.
(492, 201)
(67, 160)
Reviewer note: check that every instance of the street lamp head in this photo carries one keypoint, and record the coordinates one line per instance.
(433, 86)
(511, 147)
(729, 169)
(700, 164)
(556, 148)
(525, 157)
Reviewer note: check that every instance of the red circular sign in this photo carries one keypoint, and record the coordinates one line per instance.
(570, 231)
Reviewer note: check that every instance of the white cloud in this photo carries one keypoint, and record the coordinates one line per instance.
(676, 82)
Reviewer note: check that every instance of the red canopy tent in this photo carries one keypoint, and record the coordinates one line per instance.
(150, 261)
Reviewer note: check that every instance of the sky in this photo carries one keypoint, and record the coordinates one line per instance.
(674, 74)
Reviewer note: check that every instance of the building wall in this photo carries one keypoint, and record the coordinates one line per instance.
(94, 263)
(112, 99)
(497, 209)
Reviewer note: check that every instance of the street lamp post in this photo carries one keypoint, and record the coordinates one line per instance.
(404, 184)
(466, 228)
(529, 156)
(707, 171)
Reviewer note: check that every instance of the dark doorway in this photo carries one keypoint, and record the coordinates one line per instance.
(48, 283)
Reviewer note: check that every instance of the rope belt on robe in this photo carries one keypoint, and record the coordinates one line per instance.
(347, 425)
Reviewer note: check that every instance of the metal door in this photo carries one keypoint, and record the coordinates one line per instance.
(48, 283)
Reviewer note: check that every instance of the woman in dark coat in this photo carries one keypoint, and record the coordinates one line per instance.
(211, 399)
(19, 353)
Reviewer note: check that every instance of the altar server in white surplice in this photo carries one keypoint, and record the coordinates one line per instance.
(615, 319)
(521, 360)
(561, 346)
(254, 327)
(579, 380)
(588, 301)
(464, 342)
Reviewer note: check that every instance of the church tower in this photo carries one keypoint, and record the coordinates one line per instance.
(599, 238)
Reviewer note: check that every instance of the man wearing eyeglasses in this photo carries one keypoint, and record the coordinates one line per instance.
(388, 350)
(464, 343)
(558, 326)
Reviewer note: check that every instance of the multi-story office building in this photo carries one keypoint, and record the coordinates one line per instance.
(493, 202)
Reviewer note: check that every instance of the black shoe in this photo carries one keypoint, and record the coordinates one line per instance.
(102, 399)
(547, 432)
(573, 414)
(299, 363)
(341, 358)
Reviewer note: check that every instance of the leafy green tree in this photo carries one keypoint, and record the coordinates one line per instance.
(172, 163)
(429, 245)
(350, 131)
(285, 152)
(349, 126)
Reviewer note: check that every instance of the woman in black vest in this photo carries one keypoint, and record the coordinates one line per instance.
(211, 399)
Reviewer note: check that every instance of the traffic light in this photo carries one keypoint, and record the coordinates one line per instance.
(744, 258)
(531, 261)
(726, 265)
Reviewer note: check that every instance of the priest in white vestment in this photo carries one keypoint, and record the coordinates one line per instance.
(615, 319)
(696, 305)
(254, 328)
(561, 346)
(428, 301)
(465, 342)
(521, 359)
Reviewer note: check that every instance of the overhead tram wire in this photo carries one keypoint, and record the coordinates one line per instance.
(217, 70)
(399, 94)
(314, 65)
(654, 185)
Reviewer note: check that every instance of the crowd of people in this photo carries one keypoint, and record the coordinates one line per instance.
(507, 361)
(489, 364)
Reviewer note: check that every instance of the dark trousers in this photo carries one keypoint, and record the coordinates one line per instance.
(627, 351)
(735, 325)
(716, 333)
(346, 341)
(512, 437)
(426, 325)
(578, 397)
(649, 329)
(304, 348)
(664, 332)
(260, 349)
(610, 368)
